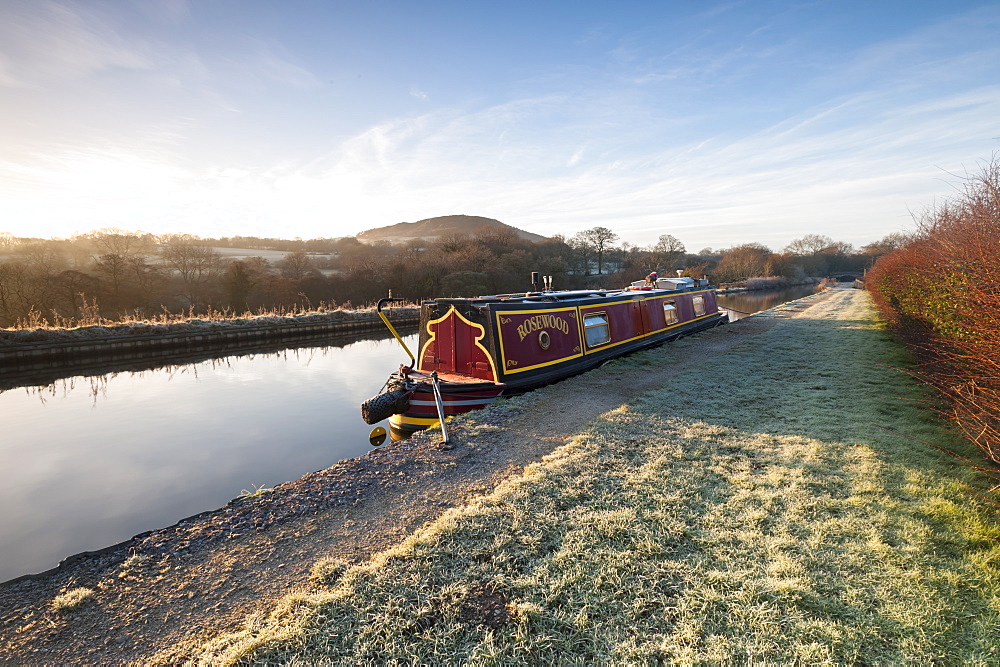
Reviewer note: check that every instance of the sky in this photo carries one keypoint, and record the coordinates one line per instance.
(719, 123)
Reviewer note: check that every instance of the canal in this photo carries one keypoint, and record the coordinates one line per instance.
(92, 460)
(741, 304)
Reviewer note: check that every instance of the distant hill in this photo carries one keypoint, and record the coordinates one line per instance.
(432, 228)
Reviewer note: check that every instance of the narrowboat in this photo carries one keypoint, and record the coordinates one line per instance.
(473, 350)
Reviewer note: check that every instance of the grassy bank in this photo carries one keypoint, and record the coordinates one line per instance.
(786, 502)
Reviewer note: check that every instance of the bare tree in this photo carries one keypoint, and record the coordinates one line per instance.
(240, 279)
(810, 244)
(749, 260)
(198, 266)
(599, 240)
(45, 257)
(131, 281)
(820, 255)
(497, 239)
(295, 265)
(667, 252)
(75, 289)
(114, 268)
(15, 292)
(44, 260)
(582, 252)
(114, 241)
(885, 245)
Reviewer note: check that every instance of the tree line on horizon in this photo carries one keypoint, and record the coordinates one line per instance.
(114, 273)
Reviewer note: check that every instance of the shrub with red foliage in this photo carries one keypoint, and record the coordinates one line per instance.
(941, 295)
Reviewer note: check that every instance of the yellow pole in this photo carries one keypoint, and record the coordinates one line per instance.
(392, 329)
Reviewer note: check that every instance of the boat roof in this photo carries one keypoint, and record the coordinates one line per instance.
(564, 295)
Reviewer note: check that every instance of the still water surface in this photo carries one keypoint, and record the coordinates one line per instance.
(92, 461)
(89, 461)
(740, 304)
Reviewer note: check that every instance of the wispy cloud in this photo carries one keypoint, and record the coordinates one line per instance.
(7, 77)
(42, 40)
(576, 158)
(279, 68)
(169, 11)
(819, 171)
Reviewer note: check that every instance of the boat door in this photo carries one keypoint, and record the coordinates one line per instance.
(455, 345)
(640, 315)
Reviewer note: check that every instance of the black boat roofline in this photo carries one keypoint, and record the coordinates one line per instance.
(482, 301)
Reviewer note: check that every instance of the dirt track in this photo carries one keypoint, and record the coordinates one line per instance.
(206, 575)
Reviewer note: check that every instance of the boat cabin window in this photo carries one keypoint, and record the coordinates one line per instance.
(670, 312)
(699, 306)
(597, 330)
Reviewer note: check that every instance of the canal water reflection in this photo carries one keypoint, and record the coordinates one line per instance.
(90, 461)
(741, 304)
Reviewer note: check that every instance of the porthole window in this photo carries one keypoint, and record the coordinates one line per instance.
(670, 312)
(699, 306)
(543, 340)
(598, 332)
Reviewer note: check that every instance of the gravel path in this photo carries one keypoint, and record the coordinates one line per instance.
(207, 574)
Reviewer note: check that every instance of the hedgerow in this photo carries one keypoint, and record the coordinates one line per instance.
(941, 295)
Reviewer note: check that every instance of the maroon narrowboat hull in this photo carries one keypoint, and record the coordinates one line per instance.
(481, 348)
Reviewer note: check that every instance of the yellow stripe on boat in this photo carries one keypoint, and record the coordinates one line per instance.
(403, 420)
